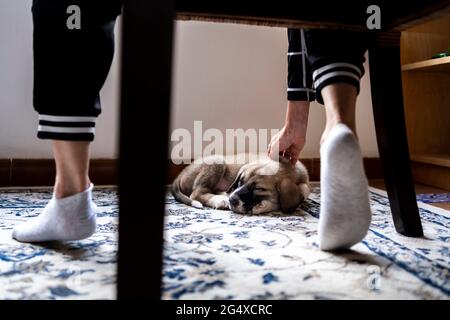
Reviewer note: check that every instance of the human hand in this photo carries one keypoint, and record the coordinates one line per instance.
(289, 142)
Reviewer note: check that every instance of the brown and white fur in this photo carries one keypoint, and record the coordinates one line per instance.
(255, 187)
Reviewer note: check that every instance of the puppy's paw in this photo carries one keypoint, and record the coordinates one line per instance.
(220, 202)
(196, 204)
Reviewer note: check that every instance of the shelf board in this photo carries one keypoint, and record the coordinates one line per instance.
(442, 160)
(431, 65)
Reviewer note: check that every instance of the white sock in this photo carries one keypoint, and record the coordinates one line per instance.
(344, 210)
(65, 219)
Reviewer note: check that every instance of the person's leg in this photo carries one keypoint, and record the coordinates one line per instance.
(72, 167)
(340, 106)
(337, 59)
(70, 67)
(345, 211)
(70, 214)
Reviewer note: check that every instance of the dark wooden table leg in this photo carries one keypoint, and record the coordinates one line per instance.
(387, 99)
(144, 125)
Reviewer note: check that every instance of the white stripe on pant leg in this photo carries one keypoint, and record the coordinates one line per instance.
(66, 118)
(301, 89)
(65, 129)
(302, 40)
(335, 74)
(295, 53)
(336, 65)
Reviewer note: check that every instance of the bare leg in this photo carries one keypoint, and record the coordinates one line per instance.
(70, 214)
(340, 105)
(72, 167)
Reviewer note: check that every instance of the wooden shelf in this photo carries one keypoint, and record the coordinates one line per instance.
(442, 160)
(426, 95)
(431, 65)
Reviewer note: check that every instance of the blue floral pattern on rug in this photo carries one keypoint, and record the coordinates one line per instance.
(214, 254)
(433, 197)
(73, 270)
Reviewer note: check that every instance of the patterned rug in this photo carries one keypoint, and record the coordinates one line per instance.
(73, 270)
(213, 254)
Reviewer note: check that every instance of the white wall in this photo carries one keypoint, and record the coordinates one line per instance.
(228, 76)
(234, 76)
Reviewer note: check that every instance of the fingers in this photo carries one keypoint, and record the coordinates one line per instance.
(293, 161)
(291, 154)
(273, 151)
(281, 144)
(274, 147)
(277, 149)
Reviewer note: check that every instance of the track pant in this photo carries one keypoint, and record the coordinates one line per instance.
(71, 65)
(319, 57)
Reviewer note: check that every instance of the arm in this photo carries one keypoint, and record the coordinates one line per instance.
(292, 137)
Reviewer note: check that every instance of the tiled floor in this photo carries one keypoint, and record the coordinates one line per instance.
(420, 188)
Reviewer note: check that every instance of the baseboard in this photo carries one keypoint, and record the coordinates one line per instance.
(41, 172)
(432, 175)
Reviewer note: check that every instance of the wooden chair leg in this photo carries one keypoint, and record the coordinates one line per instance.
(387, 99)
(144, 126)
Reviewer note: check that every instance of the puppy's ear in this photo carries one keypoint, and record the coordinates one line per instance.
(234, 185)
(290, 195)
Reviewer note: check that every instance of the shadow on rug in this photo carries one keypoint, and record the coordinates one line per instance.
(213, 254)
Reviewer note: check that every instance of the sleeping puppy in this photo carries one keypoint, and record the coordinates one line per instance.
(256, 187)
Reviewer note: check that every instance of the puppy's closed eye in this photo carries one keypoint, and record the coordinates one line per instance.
(236, 184)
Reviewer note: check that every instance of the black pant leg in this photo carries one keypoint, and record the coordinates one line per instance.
(335, 56)
(299, 82)
(71, 65)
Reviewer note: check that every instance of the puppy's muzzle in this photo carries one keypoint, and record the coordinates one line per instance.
(242, 200)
